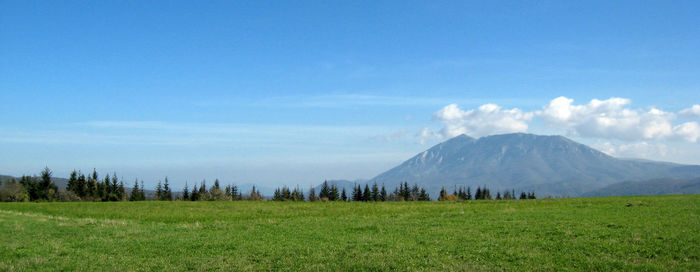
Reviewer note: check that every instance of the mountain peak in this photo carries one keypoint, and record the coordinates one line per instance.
(553, 165)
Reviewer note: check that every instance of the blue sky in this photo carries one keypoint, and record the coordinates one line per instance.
(297, 92)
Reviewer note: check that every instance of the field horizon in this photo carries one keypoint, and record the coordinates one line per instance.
(599, 233)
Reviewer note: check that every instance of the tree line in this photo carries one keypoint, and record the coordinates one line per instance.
(482, 193)
(81, 187)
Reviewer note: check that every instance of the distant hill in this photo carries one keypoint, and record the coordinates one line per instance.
(549, 165)
(650, 187)
(60, 182)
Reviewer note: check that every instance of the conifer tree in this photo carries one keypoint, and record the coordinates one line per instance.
(312, 194)
(325, 191)
(356, 193)
(469, 193)
(195, 193)
(167, 194)
(523, 195)
(47, 189)
(478, 195)
(159, 191)
(72, 185)
(443, 194)
(367, 195)
(203, 195)
(135, 192)
(186, 192)
(343, 196)
(142, 195)
(375, 192)
(498, 196)
(424, 195)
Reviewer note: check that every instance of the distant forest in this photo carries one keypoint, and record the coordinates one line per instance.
(91, 187)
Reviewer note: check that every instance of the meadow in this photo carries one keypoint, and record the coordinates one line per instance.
(608, 233)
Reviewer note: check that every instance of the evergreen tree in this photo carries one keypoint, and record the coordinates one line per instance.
(469, 193)
(443, 194)
(83, 187)
(277, 195)
(195, 193)
(106, 189)
(424, 195)
(167, 194)
(343, 196)
(142, 194)
(135, 193)
(325, 191)
(333, 194)
(203, 195)
(523, 195)
(382, 194)
(159, 191)
(121, 192)
(356, 193)
(72, 185)
(186, 192)
(367, 195)
(312, 195)
(478, 195)
(498, 196)
(531, 195)
(375, 192)
(47, 189)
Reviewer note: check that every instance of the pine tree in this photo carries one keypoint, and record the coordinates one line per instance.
(142, 192)
(424, 195)
(167, 194)
(343, 196)
(367, 195)
(134, 196)
(121, 192)
(333, 196)
(47, 189)
(159, 191)
(312, 195)
(83, 188)
(203, 195)
(186, 192)
(498, 196)
(523, 195)
(478, 196)
(277, 195)
(443, 194)
(72, 185)
(356, 193)
(325, 191)
(195, 193)
(375, 192)
(382, 194)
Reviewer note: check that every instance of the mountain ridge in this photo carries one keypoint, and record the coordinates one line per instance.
(548, 164)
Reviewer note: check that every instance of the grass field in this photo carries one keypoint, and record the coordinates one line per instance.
(613, 233)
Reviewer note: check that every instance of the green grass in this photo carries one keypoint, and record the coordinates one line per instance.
(612, 233)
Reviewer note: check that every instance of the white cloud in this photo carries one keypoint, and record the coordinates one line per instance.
(689, 131)
(643, 149)
(612, 118)
(693, 111)
(608, 119)
(486, 120)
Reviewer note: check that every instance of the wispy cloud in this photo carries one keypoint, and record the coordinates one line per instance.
(355, 100)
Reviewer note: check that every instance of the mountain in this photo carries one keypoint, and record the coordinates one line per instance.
(549, 165)
(650, 187)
